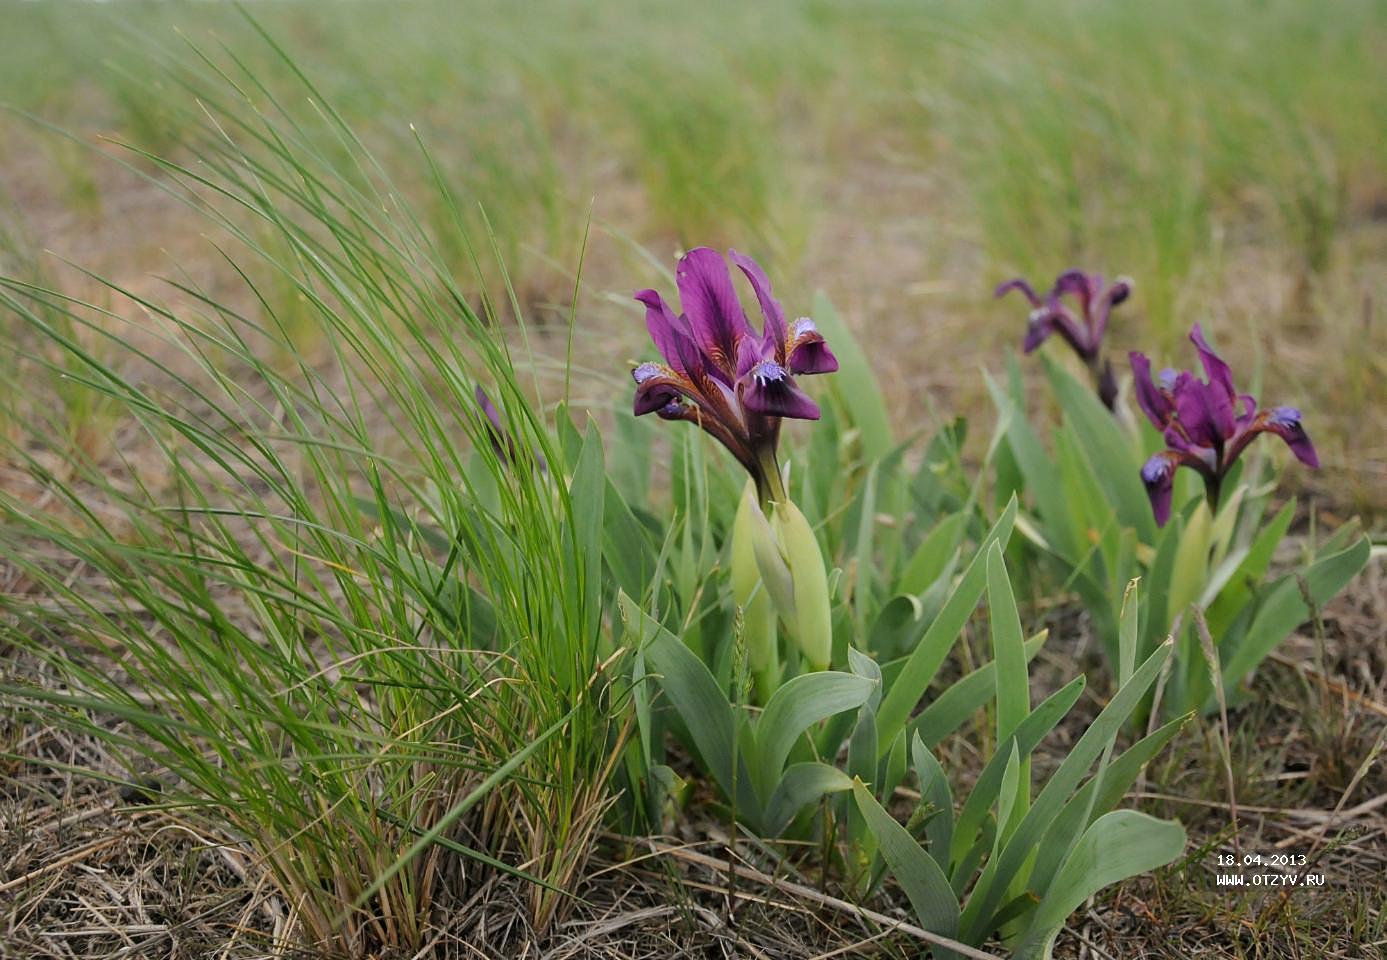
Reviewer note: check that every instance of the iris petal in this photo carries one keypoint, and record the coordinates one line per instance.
(1120, 290)
(1018, 284)
(666, 330)
(1076, 283)
(657, 386)
(710, 302)
(768, 390)
(1218, 372)
(807, 351)
(488, 408)
(773, 333)
(1158, 476)
(1205, 411)
(1285, 423)
(1039, 325)
(1154, 401)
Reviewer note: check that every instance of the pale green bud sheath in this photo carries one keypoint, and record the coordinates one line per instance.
(813, 621)
(771, 561)
(751, 595)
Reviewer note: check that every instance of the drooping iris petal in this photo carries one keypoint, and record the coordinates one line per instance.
(502, 440)
(1039, 325)
(666, 330)
(1120, 290)
(1285, 423)
(773, 333)
(1218, 372)
(767, 389)
(1154, 401)
(1074, 332)
(807, 351)
(1076, 283)
(488, 408)
(1018, 284)
(661, 391)
(658, 386)
(710, 302)
(1158, 475)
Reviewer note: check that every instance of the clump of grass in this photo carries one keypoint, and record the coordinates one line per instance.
(342, 627)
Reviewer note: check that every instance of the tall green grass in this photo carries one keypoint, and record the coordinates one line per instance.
(301, 586)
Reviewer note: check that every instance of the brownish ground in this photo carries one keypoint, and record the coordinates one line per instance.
(88, 870)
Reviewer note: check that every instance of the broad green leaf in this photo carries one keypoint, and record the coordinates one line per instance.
(751, 596)
(934, 792)
(1090, 511)
(1098, 796)
(800, 703)
(695, 695)
(920, 667)
(1283, 608)
(918, 874)
(987, 894)
(964, 697)
(629, 549)
(865, 666)
(1108, 448)
(863, 765)
(896, 623)
(932, 557)
(1225, 522)
(1250, 567)
(631, 460)
(1118, 845)
(1013, 683)
(1340, 539)
(812, 614)
(1008, 648)
(802, 784)
(938, 483)
(863, 545)
(1191, 561)
(986, 789)
(1042, 476)
(1158, 577)
(1007, 800)
(1060, 834)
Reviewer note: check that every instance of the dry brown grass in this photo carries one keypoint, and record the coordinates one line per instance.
(91, 870)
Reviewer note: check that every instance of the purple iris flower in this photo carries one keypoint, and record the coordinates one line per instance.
(720, 373)
(502, 440)
(1082, 331)
(1202, 426)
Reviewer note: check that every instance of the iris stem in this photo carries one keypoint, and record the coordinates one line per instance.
(1213, 486)
(770, 488)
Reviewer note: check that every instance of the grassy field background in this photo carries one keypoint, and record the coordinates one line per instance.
(904, 157)
(1228, 155)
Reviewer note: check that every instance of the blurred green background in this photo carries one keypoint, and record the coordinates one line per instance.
(904, 157)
